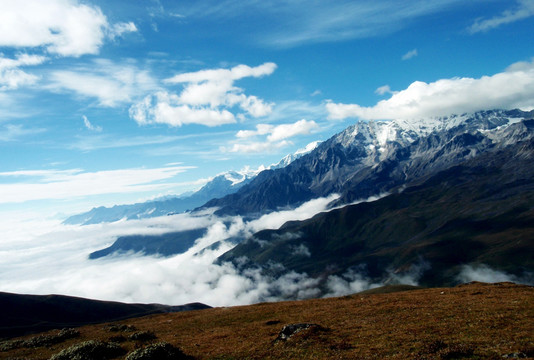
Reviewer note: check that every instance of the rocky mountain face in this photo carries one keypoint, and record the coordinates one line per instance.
(454, 191)
(478, 210)
(371, 158)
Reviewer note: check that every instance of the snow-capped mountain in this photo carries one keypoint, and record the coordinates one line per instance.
(455, 196)
(222, 184)
(370, 158)
(288, 159)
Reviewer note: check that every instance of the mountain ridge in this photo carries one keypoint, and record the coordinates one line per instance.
(357, 152)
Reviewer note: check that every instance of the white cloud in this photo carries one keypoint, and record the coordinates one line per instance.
(301, 250)
(111, 83)
(294, 23)
(11, 132)
(383, 90)
(349, 283)
(43, 257)
(275, 136)
(12, 77)
(484, 273)
(285, 131)
(513, 88)
(207, 98)
(223, 75)
(90, 126)
(255, 147)
(119, 29)
(63, 27)
(68, 184)
(165, 108)
(524, 10)
(276, 219)
(410, 54)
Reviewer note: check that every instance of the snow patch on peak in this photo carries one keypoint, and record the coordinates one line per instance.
(288, 159)
(308, 148)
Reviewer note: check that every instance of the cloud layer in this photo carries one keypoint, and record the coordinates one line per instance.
(513, 88)
(32, 185)
(47, 257)
(294, 23)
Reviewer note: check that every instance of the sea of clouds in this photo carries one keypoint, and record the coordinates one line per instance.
(48, 257)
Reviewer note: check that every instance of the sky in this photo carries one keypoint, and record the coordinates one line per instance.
(121, 101)
(113, 102)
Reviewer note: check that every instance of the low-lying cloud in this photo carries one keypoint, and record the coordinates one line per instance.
(45, 256)
(49, 257)
(484, 273)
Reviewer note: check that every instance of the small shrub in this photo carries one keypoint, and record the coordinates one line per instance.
(142, 336)
(41, 340)
(158, 351)
(117, 339)
(90, 350)
(10, 345)
(456, 351)
(120, 328)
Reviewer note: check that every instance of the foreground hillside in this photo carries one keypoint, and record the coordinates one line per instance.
(477, 321)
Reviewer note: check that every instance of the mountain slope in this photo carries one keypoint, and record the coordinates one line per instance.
(368, 159)
(479, 211)
(23, 314)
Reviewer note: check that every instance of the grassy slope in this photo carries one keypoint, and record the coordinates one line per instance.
(472, 321)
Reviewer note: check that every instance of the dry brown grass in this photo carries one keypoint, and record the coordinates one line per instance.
(477, 321)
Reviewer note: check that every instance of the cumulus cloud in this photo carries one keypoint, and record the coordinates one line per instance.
(68, 184)
(62, 27)
(112, 84)
(275, 137)
(12, 77)
(166, 108)
(206, 98)
(90, 126)
(410, 54)
(513, 88)
(524, 10)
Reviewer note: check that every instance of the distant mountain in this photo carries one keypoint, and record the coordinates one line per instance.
(24, 314)
(478, 209)
(370, 158)
(166, 244)
(221, 185)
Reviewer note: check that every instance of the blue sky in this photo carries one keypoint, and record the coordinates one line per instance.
(108, 102)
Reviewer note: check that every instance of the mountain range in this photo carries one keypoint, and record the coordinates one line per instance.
(223, 184)
(448, 192)
(460, 191)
